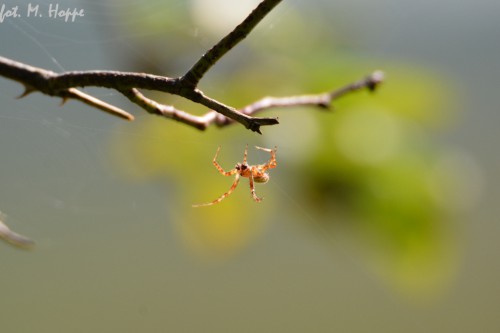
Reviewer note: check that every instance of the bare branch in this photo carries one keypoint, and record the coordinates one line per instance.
(127, 83)
(324, 100)
(38, 79)
(53, 84)
(194, 75)
(168, 111)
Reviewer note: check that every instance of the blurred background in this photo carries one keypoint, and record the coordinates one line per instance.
(380, 217)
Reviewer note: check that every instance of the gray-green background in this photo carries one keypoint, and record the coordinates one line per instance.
(119, 249)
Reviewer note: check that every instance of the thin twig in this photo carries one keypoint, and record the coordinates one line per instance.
(96, 103)
(194, 75)
(168, 111)
(14, 238)
(323, 100)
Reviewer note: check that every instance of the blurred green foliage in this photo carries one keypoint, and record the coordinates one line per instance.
(369, 169)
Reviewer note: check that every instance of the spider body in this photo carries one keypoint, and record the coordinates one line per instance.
(254, 173)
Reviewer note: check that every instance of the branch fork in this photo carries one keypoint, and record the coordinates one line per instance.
(65, 85)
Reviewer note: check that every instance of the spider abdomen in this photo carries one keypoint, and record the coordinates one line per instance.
(261, 178)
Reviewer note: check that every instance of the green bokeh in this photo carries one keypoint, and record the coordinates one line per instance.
(367, 163)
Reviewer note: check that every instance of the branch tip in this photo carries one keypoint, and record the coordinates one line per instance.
(374, 80)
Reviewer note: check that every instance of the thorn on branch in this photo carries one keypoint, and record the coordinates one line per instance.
(256, 123)
(27, 90)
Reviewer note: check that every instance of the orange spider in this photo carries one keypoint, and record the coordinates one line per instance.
(254, 173)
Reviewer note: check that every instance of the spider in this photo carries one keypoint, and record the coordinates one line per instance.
(254, 173)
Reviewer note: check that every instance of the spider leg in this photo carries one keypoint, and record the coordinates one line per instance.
(272, 162)
(222, 197)
(252, 189)
(245, 155)
(217, 165)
